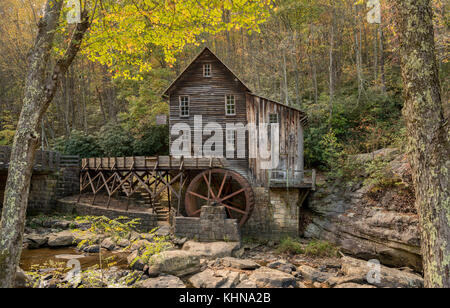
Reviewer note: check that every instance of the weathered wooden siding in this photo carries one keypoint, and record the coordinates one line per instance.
(207, 97)
(291, 134)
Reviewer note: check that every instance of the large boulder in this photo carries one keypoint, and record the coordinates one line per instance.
(388, 277)
(61, 239)
(265, 277)
(35, 240)
(175, 262)
(211, 250)
(215, 279)
(161, 282)
(366, 220)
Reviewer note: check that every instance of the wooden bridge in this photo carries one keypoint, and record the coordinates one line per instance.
(188, 183)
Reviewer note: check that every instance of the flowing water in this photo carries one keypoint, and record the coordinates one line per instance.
(43, 256)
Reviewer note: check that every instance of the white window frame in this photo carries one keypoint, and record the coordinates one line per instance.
(181, 106)
(230, 139)
(207, 68)
(226, 104)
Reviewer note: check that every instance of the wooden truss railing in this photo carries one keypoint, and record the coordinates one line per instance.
(155, 175)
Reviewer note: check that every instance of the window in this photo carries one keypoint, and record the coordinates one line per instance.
(184, 106)
(230, 140)
(230, 105)
(273, 118)
(207, 70)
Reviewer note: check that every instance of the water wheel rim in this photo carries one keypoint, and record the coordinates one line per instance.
(220, 195)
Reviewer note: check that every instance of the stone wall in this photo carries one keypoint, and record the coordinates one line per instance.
(148, 221)
(47, 188)
(212, 225)
(275, 214)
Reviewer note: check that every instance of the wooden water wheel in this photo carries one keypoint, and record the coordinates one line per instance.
(221, 187)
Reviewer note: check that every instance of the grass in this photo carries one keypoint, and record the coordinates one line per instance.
(290, 245)
(321, 249)
(314, 248)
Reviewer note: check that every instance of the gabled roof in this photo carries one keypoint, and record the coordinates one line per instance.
(166, 92)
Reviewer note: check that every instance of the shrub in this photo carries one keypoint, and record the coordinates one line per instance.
(290, 245)
(154, 141)
(115, 141)
(320, 249)
(80, 144)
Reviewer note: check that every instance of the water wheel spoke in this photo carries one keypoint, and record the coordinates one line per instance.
(198, 195)
(234, 209)
(225, 187)
(209, 186)
(234, 204)
(233, 194)
(222, 185)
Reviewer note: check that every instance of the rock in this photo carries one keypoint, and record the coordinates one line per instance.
(56, 224)
(311, 274)
(35, 240)
(61, 239)
(351, 285)
(163, 231)
(123, 243)
(134, 262)
(22, 280)
(282, 265)
(388, 277)
(211, 250)
(381, 225)
(108, 243)
(179, 241)
(92, 249)
(265, 277)
(301, 285)
(139, 245)
(239, 263)
(175, 262)
(247, 284)
(165, 281)
(215, 279)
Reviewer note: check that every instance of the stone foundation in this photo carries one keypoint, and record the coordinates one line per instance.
(276, 214)
(212, 225)
(148, 221)
(47, 188)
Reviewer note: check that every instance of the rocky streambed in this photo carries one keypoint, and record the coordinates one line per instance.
(191, 264)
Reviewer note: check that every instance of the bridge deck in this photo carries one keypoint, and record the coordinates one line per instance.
(145, 163)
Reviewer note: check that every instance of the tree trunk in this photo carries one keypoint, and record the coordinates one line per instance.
(331, 65)
(428, 135)
(39, 91)
(383, 78)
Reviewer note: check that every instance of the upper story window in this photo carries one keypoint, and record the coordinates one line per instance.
(184, 106)
(273, 118)
(230, 105)
(206, 70)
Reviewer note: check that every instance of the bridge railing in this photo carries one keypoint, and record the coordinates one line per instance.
(44, 161)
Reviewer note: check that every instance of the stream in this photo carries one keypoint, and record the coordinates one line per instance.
(42, 256)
